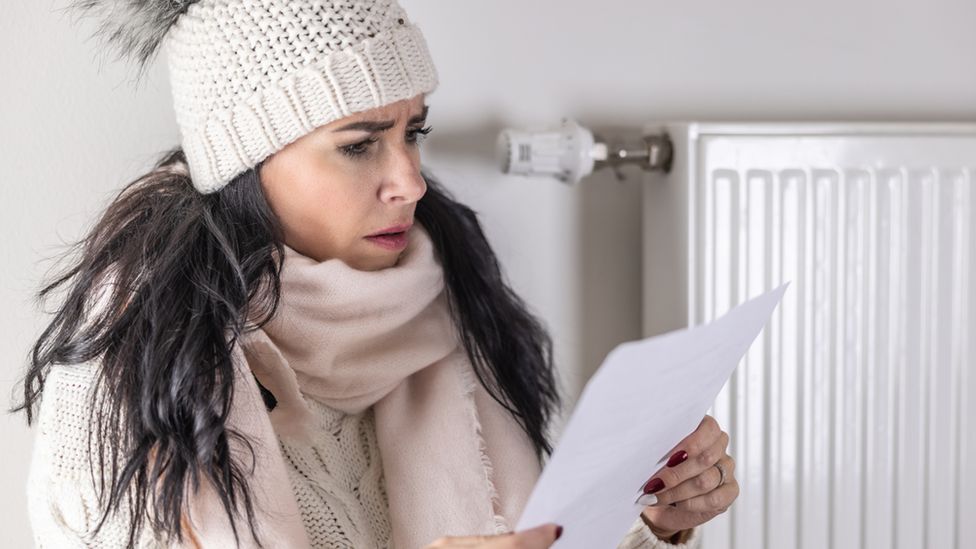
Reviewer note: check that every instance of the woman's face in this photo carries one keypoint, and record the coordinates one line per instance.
(348, 179)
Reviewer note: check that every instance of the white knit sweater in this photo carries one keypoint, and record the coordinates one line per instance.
(338, 481)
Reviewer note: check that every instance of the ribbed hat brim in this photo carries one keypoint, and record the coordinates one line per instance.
(393, 65)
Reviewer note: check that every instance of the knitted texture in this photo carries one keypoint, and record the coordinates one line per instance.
(337, 479)
(640, 537)
(461, 462)
(250, 76)
(61, 499)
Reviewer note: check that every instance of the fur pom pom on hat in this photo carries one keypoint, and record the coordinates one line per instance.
(250, 76)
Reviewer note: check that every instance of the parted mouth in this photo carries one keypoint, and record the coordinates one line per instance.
(396, 229)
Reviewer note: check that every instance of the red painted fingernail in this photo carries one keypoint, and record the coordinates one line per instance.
(677, 458)
(653, 485)
(559, 531)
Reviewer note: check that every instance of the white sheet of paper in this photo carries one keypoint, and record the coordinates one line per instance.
(644, 399)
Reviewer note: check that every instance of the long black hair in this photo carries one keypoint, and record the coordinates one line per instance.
(186, 274)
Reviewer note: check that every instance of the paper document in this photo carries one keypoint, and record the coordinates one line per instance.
(644, 399)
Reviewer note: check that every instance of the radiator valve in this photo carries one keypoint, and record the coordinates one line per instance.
(570, 152)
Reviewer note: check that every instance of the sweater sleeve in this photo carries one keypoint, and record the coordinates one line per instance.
(61, 495)
(640, 537)
(62, 501)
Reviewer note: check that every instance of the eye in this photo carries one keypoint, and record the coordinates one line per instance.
(358, 149)
(416, 136)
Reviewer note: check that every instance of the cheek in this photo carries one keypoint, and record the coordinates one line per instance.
(325, 204)
(331, 208)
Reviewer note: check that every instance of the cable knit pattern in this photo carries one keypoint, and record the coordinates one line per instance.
(337, 481)
(250, 76)
(339, 485)
(367, 391)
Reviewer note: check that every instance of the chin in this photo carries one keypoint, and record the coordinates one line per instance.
(377, 263)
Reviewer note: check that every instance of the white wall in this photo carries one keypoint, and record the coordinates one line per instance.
(73, 129)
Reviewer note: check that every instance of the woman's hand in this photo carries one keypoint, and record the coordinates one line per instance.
(690, 489)
(540, 537)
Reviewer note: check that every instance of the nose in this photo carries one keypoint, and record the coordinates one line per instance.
(404, 182)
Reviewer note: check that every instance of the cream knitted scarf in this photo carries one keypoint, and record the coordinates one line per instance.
(455, 462)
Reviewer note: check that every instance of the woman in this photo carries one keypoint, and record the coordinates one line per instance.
(287, 334)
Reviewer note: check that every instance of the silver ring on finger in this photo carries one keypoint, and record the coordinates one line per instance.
(721, 473)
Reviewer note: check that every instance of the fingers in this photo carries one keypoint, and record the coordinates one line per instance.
(695, 511)
(701, 438)
(539, 537)
(699, 459)
(687, 491)
(460, 541)
(702, 483)
(714, 502)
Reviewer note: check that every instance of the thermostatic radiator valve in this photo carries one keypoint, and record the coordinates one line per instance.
(571, 152)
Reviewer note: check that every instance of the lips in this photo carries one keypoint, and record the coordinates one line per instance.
(395, 241)
(394, 230)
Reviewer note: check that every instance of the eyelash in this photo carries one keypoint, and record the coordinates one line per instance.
(359, 149)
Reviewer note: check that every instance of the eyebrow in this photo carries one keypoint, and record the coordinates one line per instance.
(381, 125)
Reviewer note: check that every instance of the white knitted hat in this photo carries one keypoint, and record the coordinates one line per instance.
(250, 76)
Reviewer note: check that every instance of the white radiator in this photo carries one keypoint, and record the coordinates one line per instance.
(853, 417)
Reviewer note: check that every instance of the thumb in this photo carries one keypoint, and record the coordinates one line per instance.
(540, 536)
